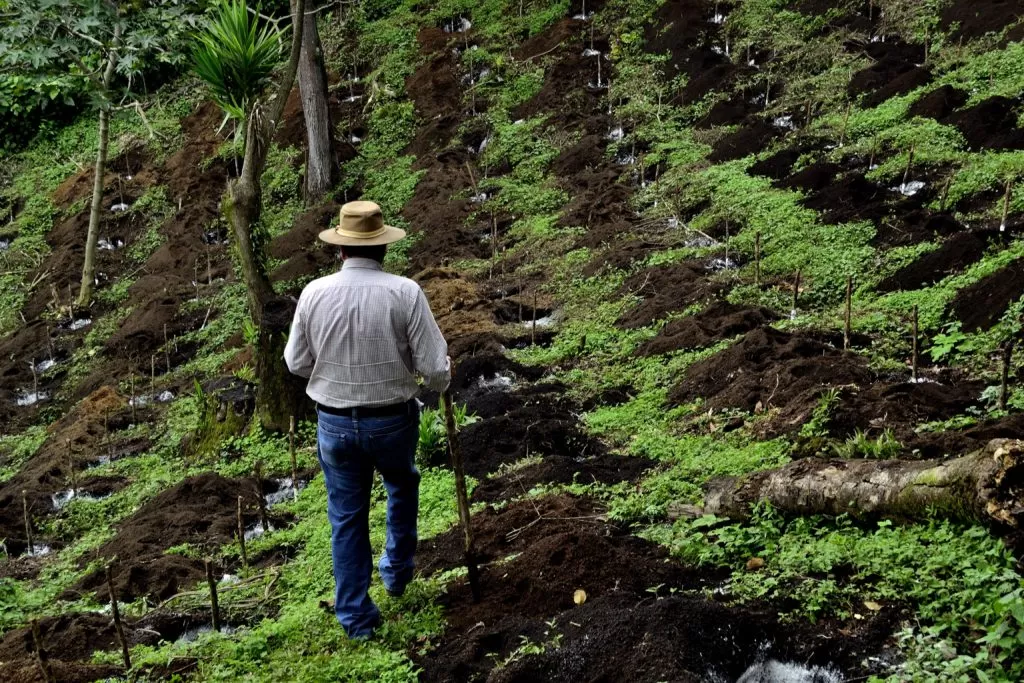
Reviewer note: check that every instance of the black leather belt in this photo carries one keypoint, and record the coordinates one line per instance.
(405, 408)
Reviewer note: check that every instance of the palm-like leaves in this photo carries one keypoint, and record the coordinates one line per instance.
(235, 56)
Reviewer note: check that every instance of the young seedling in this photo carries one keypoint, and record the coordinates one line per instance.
(914, 331)
(214, 606)
(115, 611)
(241, 534)
(28, 522)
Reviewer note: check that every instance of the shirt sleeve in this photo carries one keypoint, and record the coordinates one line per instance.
(297, 354)
(429, 349)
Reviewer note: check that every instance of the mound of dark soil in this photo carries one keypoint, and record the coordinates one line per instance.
(778, 165)
(665, 289)
(981, 305)
(812, 178)
(562, 469)
(304, 254)
(69, 641)
(975, 18)
(540, 427)
(749, 138)
(896, 70)
(990, 124)
(953, 443)
(851, 198)
(772, 369)
(939, 103)
(200, 510)
(690, 639)
(901, 407)
(913, 226)
(955, 254)
(718, 321)
(626, 628)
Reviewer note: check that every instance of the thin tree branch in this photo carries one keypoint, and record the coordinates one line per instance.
(288, 80)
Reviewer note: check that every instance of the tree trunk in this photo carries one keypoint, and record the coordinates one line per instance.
(245, 193)
(985, 486)
(280, 394)
(93, 236)
(243, 205)
(320, 166)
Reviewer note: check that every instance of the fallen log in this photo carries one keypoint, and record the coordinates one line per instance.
(985, 486)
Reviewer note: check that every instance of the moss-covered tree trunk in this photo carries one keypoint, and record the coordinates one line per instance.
(242, 208)
(986, 486)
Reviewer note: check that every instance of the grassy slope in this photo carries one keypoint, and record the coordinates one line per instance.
(958, 582)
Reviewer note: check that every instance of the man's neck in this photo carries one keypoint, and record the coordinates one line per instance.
(360, 262)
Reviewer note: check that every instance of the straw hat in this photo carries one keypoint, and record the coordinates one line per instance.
(362, 225)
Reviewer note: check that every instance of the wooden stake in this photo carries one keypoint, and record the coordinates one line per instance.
(1006, 205)
(35, 379)
(757, 258)
(1004, 393)
(131, 388)
(116, 612)
(28, 522)
(71, 466)
(796, 291)
(945, 193)
(214, 607)
(846, 123)
(209, 268)
(152, 376)
(167, 350)
(241, 534)
(41, 658)
(913, 360)
(264, 522)
(462, 497)
(910, 162)
(291, 451)
(533, 327)
(849, 312)
(49, 342)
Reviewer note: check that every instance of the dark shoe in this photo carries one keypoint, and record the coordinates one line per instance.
(395, 593)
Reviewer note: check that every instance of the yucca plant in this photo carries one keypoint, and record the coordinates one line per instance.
(235, 55)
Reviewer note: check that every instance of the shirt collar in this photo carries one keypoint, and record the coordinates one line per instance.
(361, 262)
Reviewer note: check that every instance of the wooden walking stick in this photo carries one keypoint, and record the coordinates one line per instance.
(291, 452)
(455, 450)
(118, 626)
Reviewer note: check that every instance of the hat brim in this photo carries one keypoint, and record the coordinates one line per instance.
(390, 234)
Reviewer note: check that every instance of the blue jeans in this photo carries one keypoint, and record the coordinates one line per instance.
(349, 448)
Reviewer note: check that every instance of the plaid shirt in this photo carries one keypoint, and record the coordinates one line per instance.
(362, 336)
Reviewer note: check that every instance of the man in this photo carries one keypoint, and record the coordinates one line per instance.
(362, 336)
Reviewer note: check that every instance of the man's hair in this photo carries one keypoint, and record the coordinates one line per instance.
(376, 253)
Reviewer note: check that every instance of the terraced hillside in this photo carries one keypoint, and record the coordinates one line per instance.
(667, 242)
